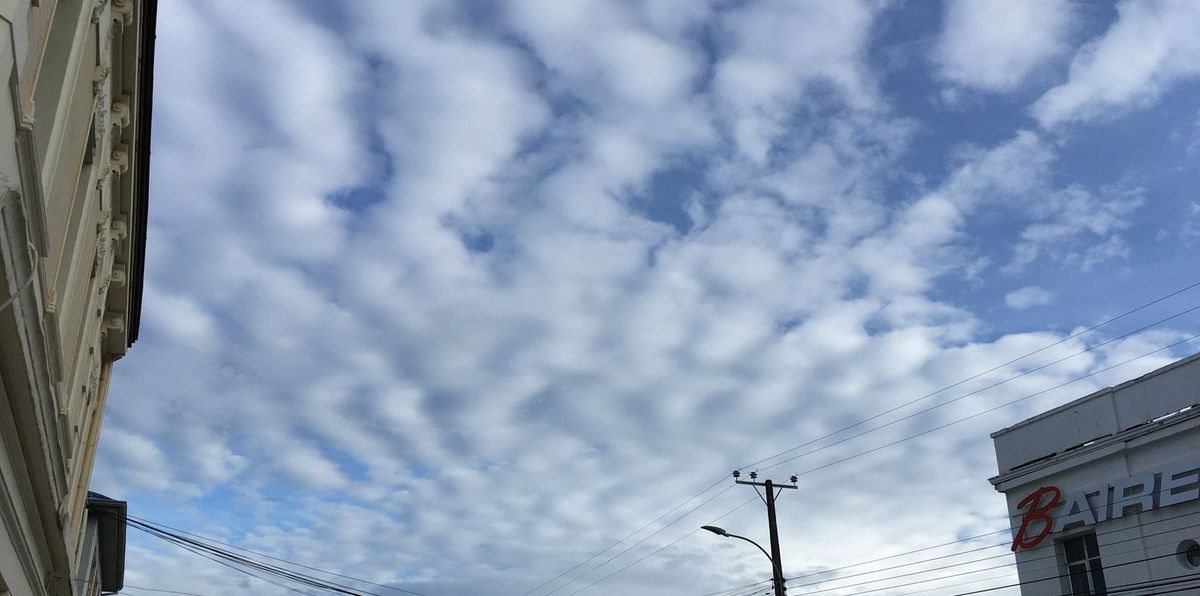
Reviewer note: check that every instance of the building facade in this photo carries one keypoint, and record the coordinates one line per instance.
(74, 154)
(1104, 492)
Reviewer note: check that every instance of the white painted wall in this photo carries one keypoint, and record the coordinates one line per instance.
(1126, 445)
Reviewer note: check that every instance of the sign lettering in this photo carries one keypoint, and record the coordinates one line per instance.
(1176, 483)
(1038, 512)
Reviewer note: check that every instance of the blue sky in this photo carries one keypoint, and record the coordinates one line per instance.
(452, 295)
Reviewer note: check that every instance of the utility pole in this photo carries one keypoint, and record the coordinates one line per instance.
(769, 499)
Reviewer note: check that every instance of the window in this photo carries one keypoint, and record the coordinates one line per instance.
(1084, 571)
(1189, 554)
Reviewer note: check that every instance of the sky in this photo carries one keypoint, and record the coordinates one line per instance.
(450, 296)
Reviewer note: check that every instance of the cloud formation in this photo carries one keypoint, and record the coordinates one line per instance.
(1028, 297)
(994, 45)
(451, 296)
(1150, 47)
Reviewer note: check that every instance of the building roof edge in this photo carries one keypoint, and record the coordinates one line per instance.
(1096, 394)
(142, 157)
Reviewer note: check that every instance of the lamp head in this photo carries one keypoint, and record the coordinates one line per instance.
(715, 530)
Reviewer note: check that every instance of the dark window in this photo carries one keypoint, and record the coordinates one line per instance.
(1189, 554)
(1086, 575)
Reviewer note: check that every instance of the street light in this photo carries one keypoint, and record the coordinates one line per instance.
(775, 569)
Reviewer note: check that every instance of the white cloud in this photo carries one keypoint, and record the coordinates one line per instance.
(500, 338)
(281, 139)
(1150, 47)
(1186, 229)
(1028, 297)
(994, 45)
(778, 52)
(133, 462)
(1071, 226)
(1077, 228)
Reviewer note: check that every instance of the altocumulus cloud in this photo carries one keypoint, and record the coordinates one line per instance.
(450, 296)
(994, 46)
(1028, 296)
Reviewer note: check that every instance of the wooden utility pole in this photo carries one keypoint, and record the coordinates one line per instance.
(769, 499)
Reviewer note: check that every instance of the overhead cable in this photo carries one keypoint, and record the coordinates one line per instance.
(255, 567)
(988, 547)
(892, 444)
(874, 417)
(274, 558)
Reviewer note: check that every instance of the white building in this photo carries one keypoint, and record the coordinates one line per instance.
(74, 158)
(1104, 492)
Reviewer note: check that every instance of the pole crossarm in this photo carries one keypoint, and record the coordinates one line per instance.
(767, 483)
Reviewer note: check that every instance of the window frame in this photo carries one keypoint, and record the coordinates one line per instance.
(1081, 565)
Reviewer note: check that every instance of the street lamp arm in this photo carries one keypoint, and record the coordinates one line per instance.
(776, 568)
(764, 551)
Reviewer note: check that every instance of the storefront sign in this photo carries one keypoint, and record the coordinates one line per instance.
(1049, 510)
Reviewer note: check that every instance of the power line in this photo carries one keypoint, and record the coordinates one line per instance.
(965, 573)
(622, 540)
(888, 445)
(245, 564)
(1164, 584)
(239, 563)
(1167, 591)
(1000, 366)
(754, 591)
(989, 410)
(951, 386)
(737, 589)
(1118, 589)
(643, 540)
(991, 546)
(861, 563)
(994, 588)
(132, 587)
(897, 442)
(662, 548)
(1112, 590)
(274, 558)
(217, 560)
(975, 392)
(960, 553)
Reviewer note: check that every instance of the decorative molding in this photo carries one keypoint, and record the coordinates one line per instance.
(103, 240)
(104, 175)
(119, 163)
(93, 380)
(105, 222)
(35, 410)
(100, 91)
(98, 9)
(103, 70)
(113, 321)
(118, 275)
(52, 300)
(122, 10)
(120, 112)
(119, 228)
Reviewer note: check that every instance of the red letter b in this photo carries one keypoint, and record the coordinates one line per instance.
(1036, 512)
